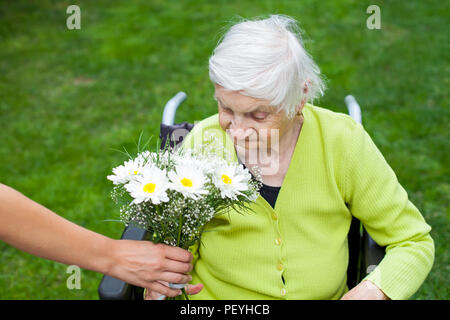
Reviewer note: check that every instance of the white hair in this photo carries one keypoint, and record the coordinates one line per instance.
(265, 59)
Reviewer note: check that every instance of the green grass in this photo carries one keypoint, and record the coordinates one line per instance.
(67, 98)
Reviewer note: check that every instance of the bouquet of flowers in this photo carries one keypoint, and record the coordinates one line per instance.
(174, 193)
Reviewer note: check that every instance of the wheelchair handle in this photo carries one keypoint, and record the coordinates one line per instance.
(171, 108)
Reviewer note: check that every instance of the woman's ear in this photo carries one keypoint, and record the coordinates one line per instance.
(306, 85)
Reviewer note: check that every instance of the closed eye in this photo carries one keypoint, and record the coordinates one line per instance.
(259, 115)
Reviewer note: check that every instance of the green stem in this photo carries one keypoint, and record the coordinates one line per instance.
(179, 230)
(184, 294)
(158, 210)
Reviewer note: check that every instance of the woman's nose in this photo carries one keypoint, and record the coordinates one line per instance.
(238, 131)
(240, 134)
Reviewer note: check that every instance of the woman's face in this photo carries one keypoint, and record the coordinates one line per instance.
(251, 123)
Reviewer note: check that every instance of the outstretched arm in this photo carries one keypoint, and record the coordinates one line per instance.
(35, 229)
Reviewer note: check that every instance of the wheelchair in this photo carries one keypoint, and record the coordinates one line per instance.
(364, 252)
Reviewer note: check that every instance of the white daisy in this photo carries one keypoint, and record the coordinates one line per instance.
(151, 184)
(145, 157)
(189, 180)
(127, 172)
(231, 180)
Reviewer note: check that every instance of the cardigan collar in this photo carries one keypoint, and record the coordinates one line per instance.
(294, 172)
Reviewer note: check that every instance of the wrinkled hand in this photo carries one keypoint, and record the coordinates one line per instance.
(366, 290)
(156, 294)
(145, 264)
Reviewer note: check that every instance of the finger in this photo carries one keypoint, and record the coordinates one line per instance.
(152, 295)
(173, 277)
(193, 289)
(178, 254)
(164, 290)
(176, 266)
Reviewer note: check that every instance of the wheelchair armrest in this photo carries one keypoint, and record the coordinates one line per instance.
(114, 289)
(174, 132)
(372, 254)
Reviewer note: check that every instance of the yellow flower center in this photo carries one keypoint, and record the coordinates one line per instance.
(186, 182)
(226, 179)
(149, 187)
(135, 172)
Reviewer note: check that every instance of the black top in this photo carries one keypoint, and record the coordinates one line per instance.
(269, 193)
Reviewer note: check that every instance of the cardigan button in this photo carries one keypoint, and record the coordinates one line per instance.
(280, 267)
(278, 241)
(274, 216)
(283, 292)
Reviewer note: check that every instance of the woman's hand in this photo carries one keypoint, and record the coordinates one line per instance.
(144, 264)
(156, 294)
(366, 290)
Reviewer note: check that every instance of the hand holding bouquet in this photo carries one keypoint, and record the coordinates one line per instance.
(174, 193)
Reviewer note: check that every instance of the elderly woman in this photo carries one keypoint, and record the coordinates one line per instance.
(319, 168)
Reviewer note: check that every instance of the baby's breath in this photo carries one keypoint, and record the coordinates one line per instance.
(181, 220)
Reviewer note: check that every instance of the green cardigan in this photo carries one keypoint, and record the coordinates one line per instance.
(336, 171)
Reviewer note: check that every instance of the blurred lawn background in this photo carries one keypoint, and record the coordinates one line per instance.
(68, 97)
